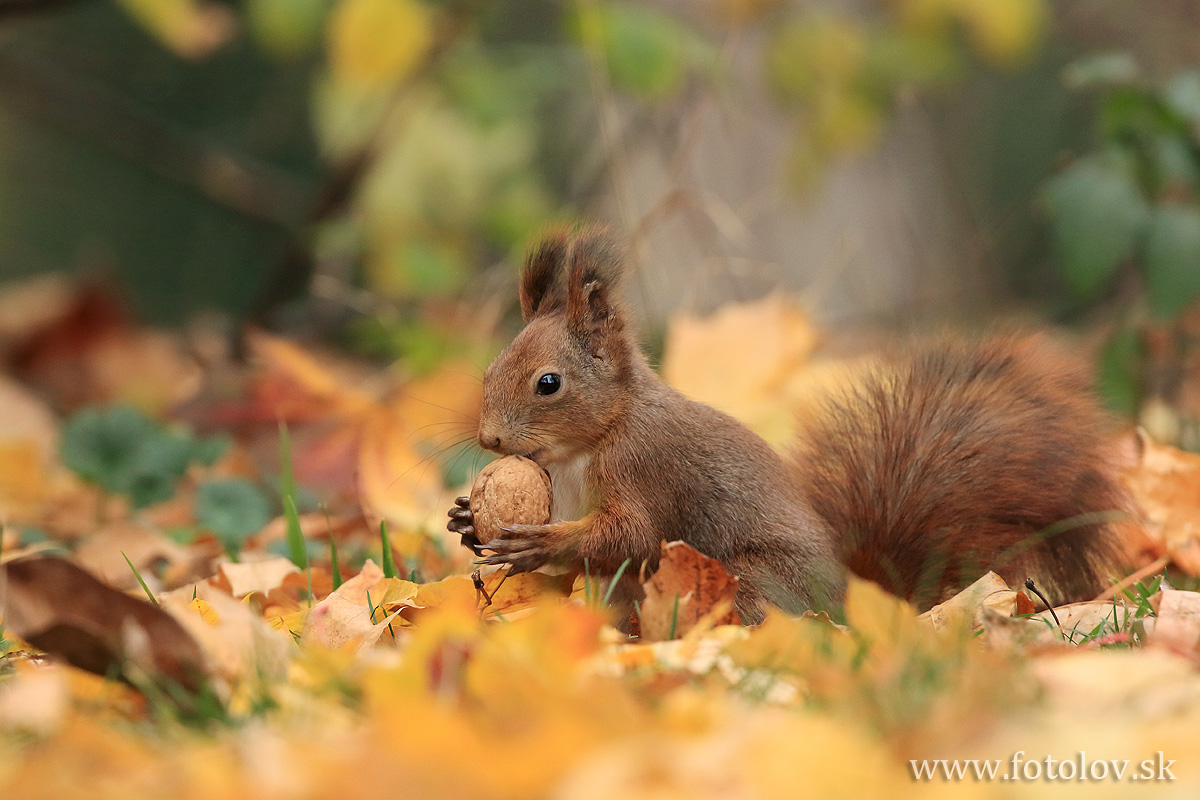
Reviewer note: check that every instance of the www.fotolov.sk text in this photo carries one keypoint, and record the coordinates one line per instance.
(1020, 768)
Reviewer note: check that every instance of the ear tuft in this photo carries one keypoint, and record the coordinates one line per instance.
(594, 269)
(543, 278)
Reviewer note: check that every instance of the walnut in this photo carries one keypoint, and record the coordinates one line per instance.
(512, 490)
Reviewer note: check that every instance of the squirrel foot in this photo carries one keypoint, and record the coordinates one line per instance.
(524, 547)
(462, 522)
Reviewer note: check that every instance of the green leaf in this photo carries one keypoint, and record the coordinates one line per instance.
(233, 509)
(1098, 213)
(1119, 368)
(1182, 95)
(287, 29)
(124, 452)
(101, 446)
(159, 464)
(1101, 69)
(646, 52)
(1171, 261)
(210, 450)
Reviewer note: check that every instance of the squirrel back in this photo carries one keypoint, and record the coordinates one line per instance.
(959, 457)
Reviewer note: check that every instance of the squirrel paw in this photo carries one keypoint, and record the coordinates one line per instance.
(524, 547)
(462, 522)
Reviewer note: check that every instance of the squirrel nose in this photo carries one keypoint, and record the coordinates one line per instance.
(489, 439)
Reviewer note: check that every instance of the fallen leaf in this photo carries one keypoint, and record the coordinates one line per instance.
(34, 700)
(58, 607)
(687, 587)
(1165, 483)
(710, 360)
(396, 482)
(103, 554)
(28, 438)
(256, 576)
(964, 608)
(337, 622)
(239, 644)
(1177, 623)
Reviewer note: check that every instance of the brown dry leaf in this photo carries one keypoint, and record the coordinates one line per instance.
(1165, 482)
(687, 587)
(1177, 624)
(294, 385)
(28, 438)
(60, 608)
(354, 612)
(356, 588)
(965, 607)
(743, 360)
(150, 370)
(513, 593)
(103, 553)
(1080, 619)
(337, 622)
(237, 642)
(35, 699)
(257, 576)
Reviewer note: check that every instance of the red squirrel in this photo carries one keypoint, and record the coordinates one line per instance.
(956, 459)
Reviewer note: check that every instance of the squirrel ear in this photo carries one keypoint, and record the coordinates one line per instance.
(542, 286)
(594, 269)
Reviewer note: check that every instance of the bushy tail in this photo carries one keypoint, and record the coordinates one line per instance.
(959, 458)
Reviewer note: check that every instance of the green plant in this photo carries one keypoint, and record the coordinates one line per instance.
(124, 452)
(233, 509)
(1131, 202)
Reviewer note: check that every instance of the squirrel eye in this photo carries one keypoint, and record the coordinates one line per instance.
(549, 383)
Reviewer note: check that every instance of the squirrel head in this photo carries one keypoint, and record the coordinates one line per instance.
(558, 387)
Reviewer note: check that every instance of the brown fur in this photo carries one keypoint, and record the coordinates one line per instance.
(966, 457)
(921, 480)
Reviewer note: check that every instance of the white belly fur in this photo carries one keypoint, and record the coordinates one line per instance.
(567, 481)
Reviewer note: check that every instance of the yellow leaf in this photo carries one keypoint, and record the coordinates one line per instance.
(395, 481)
(205, 610)
(377, 42)
(742, 360)
(189, 28)
(879, 616)
(1004, 31)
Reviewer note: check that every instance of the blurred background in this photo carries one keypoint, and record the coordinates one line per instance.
(369, 171)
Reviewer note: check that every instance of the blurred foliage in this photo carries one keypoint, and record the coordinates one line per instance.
(403, 145)
(1131, 207)
(842, 71)
(1133, 198)
(124, 452)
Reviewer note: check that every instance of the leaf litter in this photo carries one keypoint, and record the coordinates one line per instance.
(255, 677)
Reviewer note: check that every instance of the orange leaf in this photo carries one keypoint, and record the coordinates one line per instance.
(688, 587)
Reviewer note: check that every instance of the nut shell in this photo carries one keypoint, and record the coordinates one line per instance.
(512, 490)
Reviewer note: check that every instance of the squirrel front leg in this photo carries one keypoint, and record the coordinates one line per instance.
(602, 541)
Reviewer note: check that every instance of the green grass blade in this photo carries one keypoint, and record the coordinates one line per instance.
(287, 480)
(612, 585)
(138, 575)
(389, 562)
(333, 564)
(297, 549)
